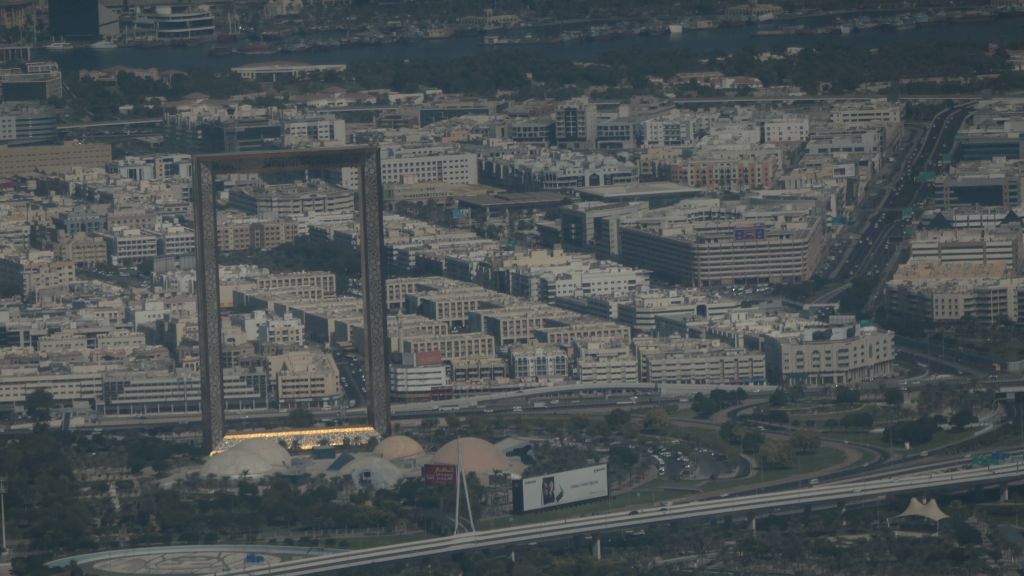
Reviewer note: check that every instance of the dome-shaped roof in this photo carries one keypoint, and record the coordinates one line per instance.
(373, 469)
(478, 456)
(398, 448)
(251, 458)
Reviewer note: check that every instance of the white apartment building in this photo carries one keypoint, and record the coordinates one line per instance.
(174, 240)
(785, 129)
(409, 165)
(576, 122)
(318, 131)
(536, 362)
(579, 280)
(419, 376)
(129, 245)
(869, 114)
(667, 131)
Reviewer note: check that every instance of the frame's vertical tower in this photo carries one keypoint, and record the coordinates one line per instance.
(205, 169)
(204, 213)
(376, 345)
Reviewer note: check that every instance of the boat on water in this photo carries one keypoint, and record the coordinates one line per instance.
(59, 45)
(103, 45)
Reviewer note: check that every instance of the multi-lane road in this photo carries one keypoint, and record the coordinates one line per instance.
(747, 506)
(881, 232)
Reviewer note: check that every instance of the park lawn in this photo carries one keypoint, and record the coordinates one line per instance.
(360, 542)
(942, 438)
(803, 464)
(821, 412)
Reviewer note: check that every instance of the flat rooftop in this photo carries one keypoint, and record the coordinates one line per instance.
(514, 200)
(640, 191)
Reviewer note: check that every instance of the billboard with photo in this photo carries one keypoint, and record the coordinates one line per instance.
(560, 488)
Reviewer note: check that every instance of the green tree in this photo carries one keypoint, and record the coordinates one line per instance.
(962, 418)
(617, 418)
(894, 397)
(730, 432)
(752, 440)
(805, 441)
(775, 454)
(657, 421)
(846, 395)
(38, 404)
(778, 398)
(300, 418)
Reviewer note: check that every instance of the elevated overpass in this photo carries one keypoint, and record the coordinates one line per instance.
(834, 494)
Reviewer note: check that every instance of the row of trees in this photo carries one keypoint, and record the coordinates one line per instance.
(837, 66)
(772, 452)
(716, 400)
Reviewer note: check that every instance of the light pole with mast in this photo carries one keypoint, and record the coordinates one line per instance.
(3, 516)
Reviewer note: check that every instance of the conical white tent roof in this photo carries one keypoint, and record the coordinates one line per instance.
(928, 508)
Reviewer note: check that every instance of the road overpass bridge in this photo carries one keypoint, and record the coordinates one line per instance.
(747, 506)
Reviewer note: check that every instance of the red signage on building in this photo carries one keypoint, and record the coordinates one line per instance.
(439, 474)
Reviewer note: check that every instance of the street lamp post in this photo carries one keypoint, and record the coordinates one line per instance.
(3, 515)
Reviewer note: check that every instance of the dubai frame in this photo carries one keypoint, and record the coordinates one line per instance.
(205, 169)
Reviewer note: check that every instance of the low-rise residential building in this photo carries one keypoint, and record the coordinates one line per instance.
(930, 291)
(711, 242)
(419, 376)
(37, 272)
(538, 362)
(603, 362)
(127, 246)
(674, 361)
(304, 377)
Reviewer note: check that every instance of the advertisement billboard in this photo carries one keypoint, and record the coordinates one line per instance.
(439, 474)
(560, 488)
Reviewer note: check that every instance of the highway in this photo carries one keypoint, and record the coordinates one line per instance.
(881, 232)
(832, 493)
(821, 98)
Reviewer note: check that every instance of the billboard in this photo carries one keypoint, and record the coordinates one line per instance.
(439, 474)
(560, 488)
(749, 233)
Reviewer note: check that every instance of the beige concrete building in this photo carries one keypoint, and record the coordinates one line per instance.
(304, 377)
(998, 245)
(82, 249)
(827, 355)
(58, 159)
(676, 360)
(450, 345)
(711, 243)
(930, 291)
(35, 273)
